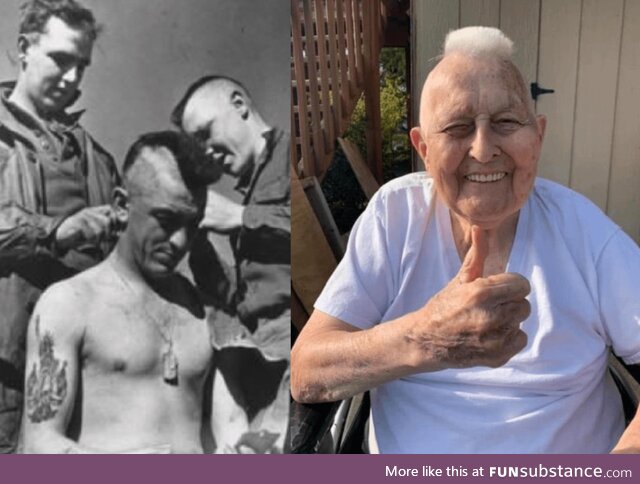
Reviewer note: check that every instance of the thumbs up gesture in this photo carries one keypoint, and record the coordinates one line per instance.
(474, 320)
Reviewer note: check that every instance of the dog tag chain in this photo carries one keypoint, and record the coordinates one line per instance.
(169, 357)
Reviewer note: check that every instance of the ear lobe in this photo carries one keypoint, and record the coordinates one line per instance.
(238, 102)
(419, 144)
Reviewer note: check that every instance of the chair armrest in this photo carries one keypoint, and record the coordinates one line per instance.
(309, 425)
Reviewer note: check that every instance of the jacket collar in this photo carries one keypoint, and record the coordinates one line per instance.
(17, 119)
(272, 136)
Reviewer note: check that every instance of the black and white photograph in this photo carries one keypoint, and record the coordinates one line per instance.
(465, 256)
(144, 226)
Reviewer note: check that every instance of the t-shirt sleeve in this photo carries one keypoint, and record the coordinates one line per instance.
(361, 288)
(619, 295)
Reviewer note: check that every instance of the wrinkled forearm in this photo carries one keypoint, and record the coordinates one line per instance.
(24, 234)
(275, 217)
(334, 364)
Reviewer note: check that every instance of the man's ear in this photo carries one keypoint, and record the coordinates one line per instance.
(238, 102)
(121, 206)
(24, 42)
(419, 144)
(541, 122)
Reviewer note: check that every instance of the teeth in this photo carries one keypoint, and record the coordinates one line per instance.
(486, 178)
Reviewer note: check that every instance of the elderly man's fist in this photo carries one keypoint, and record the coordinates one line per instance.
(473, 321)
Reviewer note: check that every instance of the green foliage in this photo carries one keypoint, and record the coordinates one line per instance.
(341, 189)
(393, 110)
(392, 63)
(343, 193)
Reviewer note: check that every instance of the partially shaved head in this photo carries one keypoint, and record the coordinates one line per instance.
(155, 167)
(469, 54)
(468, 71)
(207, 89)
(169, 152)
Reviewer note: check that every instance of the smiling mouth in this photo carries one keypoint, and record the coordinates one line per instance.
(488, 178)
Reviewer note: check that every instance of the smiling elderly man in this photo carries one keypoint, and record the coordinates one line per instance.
(478, 304)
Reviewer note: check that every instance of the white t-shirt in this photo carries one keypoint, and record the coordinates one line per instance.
(555, 396)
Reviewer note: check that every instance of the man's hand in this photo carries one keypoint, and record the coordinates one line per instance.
(90, 226)
(221, 214)
(474, 321)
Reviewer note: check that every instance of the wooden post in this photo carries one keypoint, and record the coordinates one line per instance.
(314, 89)
(371, 21)
(303, 135)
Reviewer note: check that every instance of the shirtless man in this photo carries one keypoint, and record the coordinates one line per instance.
(117, 357)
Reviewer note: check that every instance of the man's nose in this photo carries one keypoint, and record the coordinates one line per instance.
(179, 239)
(72, 75)
(484, 147)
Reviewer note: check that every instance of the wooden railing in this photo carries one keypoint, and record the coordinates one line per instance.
(335, 57)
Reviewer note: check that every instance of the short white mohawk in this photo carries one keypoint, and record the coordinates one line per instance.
(479, 41)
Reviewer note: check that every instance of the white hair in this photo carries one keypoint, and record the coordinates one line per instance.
(479, 41)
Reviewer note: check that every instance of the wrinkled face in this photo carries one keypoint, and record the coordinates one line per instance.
(478, 138)
(53, 65)
(163, 214)
(220, 127)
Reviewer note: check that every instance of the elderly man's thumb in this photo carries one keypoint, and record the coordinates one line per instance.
(473, 264)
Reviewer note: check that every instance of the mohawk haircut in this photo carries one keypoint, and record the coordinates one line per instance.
(491, 43)
(479, 41)
(190, 158)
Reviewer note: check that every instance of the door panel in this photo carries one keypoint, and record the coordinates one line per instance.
(480, 12)
(558, 70)
(623, 203)
(598, 60)
(519, 20)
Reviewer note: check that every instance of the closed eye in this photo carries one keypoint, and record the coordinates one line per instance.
(201, 136)
(66, 61)
(506, 125)
(167, 218)
(167, 222)
(459, 130)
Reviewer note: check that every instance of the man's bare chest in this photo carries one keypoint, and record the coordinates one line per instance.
(140, 341)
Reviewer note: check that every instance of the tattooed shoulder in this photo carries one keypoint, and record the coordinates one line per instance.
(46, 386)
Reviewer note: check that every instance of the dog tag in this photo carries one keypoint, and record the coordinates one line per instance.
(170, 363)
